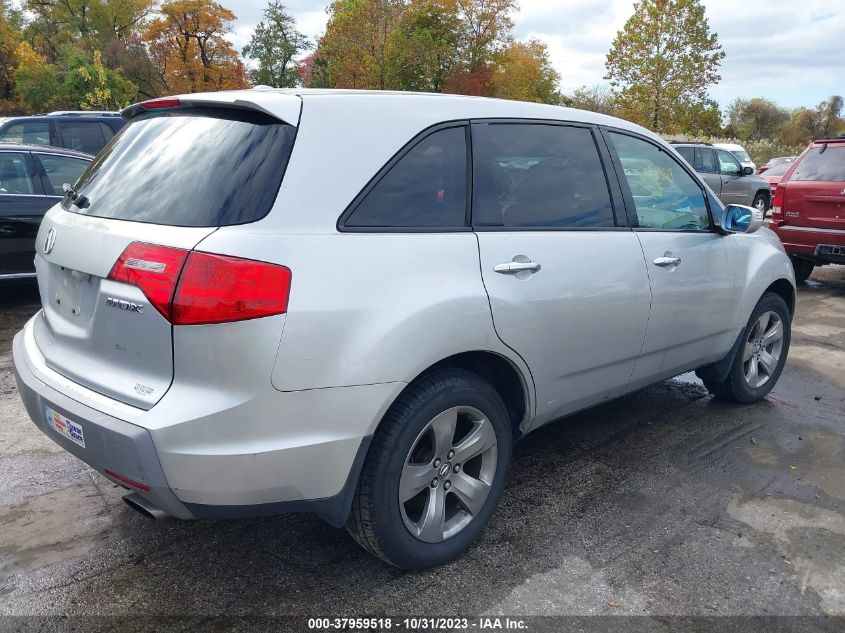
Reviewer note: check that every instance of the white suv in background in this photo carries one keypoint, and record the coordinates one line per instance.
(353, 303)
(740, 153)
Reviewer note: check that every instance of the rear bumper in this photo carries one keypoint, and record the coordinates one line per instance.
(824, 246)
(273, 453)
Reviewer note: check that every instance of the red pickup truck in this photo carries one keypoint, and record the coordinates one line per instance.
(808, 211)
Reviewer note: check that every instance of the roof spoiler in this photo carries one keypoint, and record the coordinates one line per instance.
(178, 103)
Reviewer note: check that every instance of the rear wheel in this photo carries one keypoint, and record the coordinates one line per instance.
(803, 269)
(434, 473)
(760, 360)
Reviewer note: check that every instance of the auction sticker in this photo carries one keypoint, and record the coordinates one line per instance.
(68, 428)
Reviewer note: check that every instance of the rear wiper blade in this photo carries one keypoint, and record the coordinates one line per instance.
(77, 199)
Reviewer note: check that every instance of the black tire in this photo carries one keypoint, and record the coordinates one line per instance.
(762, 198)
(803, 269)
(376, 521)
(735, 387)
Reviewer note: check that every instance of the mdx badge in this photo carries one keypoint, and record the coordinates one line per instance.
(50, 241)
(124, 305)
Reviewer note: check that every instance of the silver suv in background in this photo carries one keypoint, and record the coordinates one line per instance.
(730, 180)
(252, 307)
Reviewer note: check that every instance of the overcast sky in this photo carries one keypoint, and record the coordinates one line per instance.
(789, 51)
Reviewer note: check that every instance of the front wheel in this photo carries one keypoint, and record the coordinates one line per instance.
(761, 202)
(761, 358)
(435, 471)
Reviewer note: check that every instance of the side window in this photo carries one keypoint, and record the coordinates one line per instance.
(426, 188)
(14, 175)
(61, 170)
(728, 164)
(537, 175)
(690, 154)
(107, 131)
(83, 136)
(27, 133)
(665, 196)
(707, 161)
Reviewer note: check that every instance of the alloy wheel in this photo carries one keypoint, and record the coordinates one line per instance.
(448, 474)
(763, 349)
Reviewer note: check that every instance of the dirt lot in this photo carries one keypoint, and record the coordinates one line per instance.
(665, 502)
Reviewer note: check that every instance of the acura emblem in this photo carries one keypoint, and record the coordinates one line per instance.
(50, 242)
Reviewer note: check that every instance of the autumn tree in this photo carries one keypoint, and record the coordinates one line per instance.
(275, 45)
(755, 119)
(188, 44)
(523, 72)
(663, 61)
(593, 98)
(426, 50)
(9, 39)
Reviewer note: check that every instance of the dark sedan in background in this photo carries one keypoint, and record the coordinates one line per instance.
(31, 179)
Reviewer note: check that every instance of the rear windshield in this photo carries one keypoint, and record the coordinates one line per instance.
(191, 167)
(827, 165)
(778, 170)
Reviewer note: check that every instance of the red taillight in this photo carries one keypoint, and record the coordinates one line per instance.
(160, 104)
(154, 269)
(217, 289)
(777, 203)
(200, 288)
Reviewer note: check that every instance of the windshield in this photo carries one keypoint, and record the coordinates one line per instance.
(827, 165)
(191, 167)
(742, 156)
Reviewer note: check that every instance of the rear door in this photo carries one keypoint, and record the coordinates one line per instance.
(814, 195)
(82, 136)
(691, 267)
(567, 284)
(22, 204)
(170, 178)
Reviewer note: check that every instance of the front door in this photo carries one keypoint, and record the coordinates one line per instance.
(734, 185)
(692, 268)
(566, 281)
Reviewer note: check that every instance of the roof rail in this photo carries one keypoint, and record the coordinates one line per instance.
(690, 143)
(83, 113)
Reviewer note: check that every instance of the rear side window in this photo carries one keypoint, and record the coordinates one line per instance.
(827, 165)
(425, 188)
(82, 136)
(536, 175)
(689, 155)
(705, 161)
(14, 175)
(27, 133)
(191, 167)
(61, 170)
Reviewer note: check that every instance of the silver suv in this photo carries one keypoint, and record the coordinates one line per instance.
(353, 303)
(732, 181)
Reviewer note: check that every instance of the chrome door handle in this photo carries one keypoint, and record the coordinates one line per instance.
(512, 268)
(665, 261)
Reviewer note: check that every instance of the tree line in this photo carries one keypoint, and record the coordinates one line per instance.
(104, 54)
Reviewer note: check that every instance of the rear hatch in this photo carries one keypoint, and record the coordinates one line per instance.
(814, 190)
(171, 177)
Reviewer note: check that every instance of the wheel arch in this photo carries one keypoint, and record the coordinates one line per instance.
(514, 387)
(784, 288)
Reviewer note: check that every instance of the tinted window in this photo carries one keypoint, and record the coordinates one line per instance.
(192, 167)
(107, 131)
(824, 166)
(83, 136)
(688, 153)
(539, 176)
(27, 133)
(728, 164)
(14, 176)
(425, 188)
(61, 170)
(778, 170)
(706, 161)
(665, 195)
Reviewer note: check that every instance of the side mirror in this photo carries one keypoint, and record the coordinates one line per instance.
(737, 218)
(747, 171)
